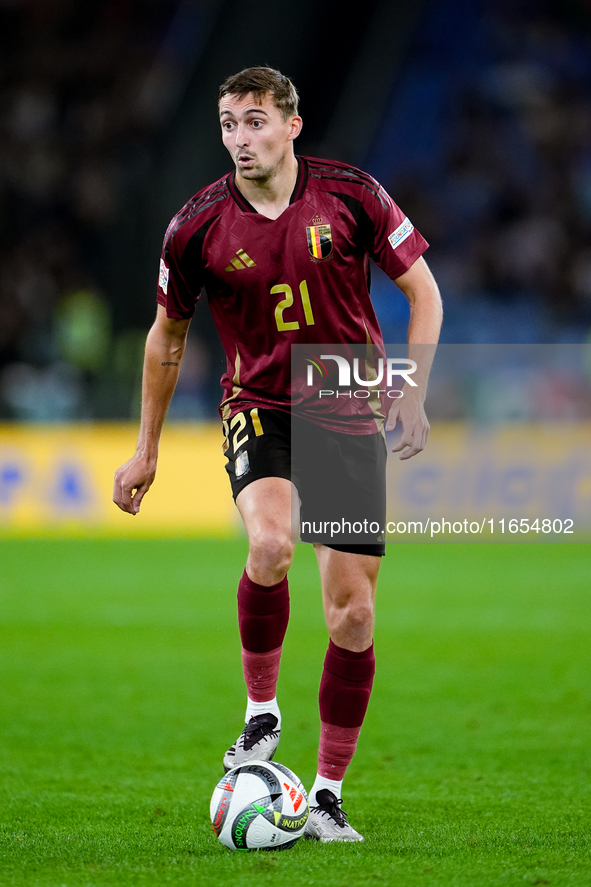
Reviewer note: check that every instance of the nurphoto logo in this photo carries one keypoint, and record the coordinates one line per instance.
(390, 367)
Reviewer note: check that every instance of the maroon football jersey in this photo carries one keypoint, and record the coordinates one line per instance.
(302, 278)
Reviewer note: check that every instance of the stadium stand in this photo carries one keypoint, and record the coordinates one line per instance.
(480, 127)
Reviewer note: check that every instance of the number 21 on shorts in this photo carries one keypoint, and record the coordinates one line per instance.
(239, 428)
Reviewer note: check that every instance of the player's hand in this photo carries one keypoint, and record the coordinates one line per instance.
(409, 411)
(132, 482)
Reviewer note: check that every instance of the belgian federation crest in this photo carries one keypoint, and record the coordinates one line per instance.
(319, 241)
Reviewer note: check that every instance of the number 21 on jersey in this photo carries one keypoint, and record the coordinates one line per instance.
(287, 302)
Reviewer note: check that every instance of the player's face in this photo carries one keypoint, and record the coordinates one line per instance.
(256, 135)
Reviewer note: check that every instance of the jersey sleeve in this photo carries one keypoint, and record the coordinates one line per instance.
(396, 242)
(179, 281)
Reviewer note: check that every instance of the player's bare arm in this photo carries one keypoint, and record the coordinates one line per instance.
(164, 350)
(426, 315)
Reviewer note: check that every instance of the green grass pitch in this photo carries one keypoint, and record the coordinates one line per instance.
(120, 689)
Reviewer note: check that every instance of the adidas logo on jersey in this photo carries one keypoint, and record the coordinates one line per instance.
(240, 260)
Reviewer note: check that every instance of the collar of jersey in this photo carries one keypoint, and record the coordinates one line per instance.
(299, 187)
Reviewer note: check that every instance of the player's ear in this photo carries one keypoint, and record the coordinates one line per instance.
(296, 124)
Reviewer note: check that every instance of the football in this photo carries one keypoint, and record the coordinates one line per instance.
(259, 806)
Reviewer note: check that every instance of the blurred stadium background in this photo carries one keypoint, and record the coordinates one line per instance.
(475, 115)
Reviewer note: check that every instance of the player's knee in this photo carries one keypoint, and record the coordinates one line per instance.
(358, 616)
(271, 550)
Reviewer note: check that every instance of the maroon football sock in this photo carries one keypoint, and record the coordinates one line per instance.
(263, 614)
(345, 689)
(261, 671)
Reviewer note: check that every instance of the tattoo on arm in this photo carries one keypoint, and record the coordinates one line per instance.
(169, 363)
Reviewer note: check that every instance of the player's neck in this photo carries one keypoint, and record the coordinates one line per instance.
(271, 196)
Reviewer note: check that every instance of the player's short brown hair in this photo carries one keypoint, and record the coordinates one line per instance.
(262, 81)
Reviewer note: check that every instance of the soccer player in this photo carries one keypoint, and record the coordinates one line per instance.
(281, 246)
